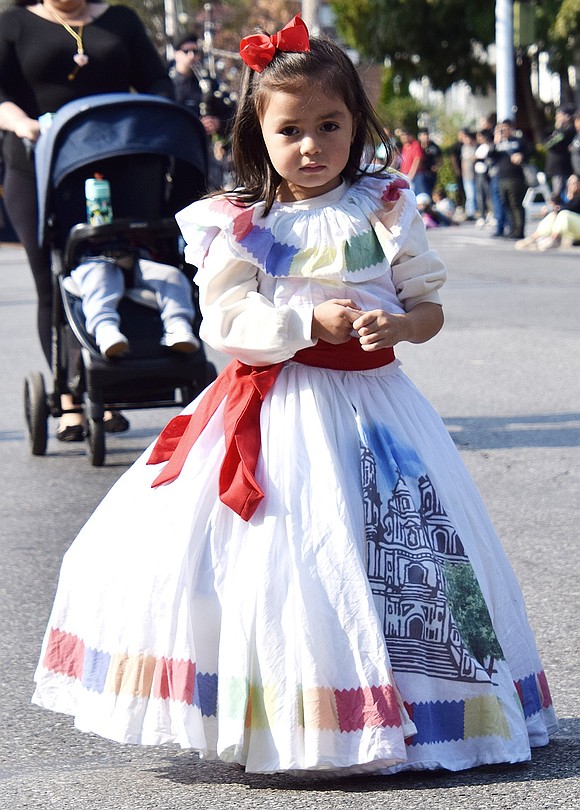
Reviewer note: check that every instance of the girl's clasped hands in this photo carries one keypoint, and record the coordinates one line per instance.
(337, 320)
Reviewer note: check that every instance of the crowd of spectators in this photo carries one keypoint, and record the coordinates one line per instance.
(492, 168)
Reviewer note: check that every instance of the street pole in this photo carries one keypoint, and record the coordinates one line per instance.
(208, 29)
(505, 63)
(311, 15)
(170, 27)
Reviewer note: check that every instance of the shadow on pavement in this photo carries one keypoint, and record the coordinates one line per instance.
(504, 432)
(559, 760)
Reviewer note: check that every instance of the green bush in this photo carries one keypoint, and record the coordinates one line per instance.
(396, 107)
(399, 111)
(447, 180)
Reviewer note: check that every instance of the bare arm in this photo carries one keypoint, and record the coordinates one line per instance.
(380, 330)
(14, 119)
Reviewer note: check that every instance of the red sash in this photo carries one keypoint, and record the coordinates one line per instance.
(244, 389)
(344, 357)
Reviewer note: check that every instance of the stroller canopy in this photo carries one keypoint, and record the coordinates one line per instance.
(113, 125)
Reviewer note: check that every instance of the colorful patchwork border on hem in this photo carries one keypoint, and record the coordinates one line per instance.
(321, 708)
(147, 676)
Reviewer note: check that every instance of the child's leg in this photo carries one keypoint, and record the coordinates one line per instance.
(546, 225)
(101, 285)
(173, 293)
(567, 225)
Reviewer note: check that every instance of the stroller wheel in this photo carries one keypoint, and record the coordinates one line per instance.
(36, 412)
(95, 437)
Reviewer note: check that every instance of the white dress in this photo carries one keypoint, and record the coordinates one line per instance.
(365, 617)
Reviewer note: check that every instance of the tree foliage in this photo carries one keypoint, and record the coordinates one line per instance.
(471, 614)
(442, 39)
(447, 40)
(563, 37)
(558, 25)
(231, 20)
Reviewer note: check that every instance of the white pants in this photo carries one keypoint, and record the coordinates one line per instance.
(102, 284)
(563, 223)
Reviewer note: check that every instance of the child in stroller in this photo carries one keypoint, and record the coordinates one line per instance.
(100, 280)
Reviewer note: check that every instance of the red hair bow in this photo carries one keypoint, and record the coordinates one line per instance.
(258, 50)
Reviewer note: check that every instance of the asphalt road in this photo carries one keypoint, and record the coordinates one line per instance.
(504, 374)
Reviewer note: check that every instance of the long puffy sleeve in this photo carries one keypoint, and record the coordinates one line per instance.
(241, 322)
(418, 271)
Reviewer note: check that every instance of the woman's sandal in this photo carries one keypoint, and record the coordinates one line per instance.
(71, 427)
(74, 431)
(115, 422)
(70, 433)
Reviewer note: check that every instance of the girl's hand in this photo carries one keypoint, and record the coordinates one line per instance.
(332, 321)
(378, 329)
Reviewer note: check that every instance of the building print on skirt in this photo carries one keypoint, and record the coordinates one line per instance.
(434, 617)
(409, 579)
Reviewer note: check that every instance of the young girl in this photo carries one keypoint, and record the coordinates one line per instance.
(301, 575)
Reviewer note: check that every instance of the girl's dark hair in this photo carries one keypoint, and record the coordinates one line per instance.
(326, 67)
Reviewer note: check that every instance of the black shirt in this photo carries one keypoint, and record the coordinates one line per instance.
(500, 155)
(36, 57)
(430, 159)
(558, 155)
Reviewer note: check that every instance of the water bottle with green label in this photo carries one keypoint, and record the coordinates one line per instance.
(98, 200)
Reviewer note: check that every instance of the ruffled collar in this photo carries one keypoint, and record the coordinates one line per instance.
(351, 233)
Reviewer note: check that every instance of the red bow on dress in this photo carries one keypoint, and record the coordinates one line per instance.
(258, 50)
(244, 388)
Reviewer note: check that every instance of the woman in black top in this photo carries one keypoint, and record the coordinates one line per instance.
(52, 53)
(558, 162)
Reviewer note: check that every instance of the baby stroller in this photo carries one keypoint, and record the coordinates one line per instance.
(153, 153)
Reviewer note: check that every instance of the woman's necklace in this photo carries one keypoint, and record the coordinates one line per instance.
(80, 57)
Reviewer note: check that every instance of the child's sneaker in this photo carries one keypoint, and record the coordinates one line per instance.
(179, 337)
(111, 342)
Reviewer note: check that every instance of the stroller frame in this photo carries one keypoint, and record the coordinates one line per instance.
(115, 134)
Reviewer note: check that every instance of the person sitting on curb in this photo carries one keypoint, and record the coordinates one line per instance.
(443, 204)
(561, 226)
(432, 218)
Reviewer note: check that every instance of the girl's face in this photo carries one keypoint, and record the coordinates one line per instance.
(308, 136)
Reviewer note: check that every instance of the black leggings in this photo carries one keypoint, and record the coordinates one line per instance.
(22, 208)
